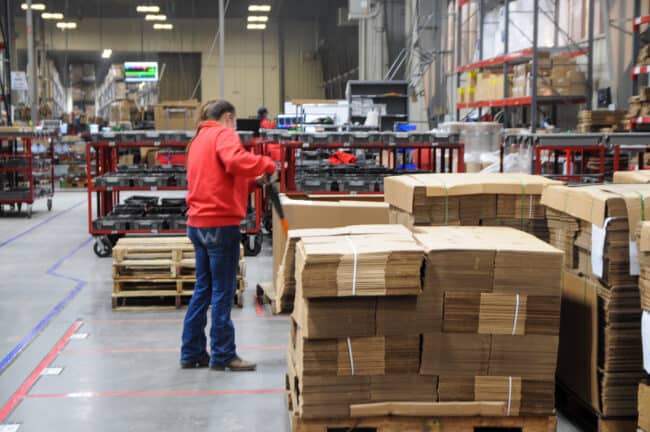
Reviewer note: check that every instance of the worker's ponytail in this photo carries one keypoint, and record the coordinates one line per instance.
(211, 110)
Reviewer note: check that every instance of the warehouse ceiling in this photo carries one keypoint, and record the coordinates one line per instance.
(79, 9)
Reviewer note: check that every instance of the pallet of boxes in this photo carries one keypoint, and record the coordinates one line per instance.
(639, 106)
(599, 365)
(510, 200)
(643, 243)
(159, 273)
(450, 329)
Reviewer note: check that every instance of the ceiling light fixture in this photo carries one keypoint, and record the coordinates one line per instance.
(261, 19)
(256, 27)
(163, 26)
(259, 8)
(52, 16)
(155, 18)
(148, 9)
(35, 6)
(66, 25)
(107, 53)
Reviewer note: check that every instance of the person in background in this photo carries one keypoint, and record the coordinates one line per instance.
(262, 116)
(220, 175)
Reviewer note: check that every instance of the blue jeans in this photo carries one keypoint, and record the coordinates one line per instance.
(217, 259)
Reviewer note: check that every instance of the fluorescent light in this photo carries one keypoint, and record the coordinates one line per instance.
(159, 26)
(258, 18)
(256, 27)
(52, 16)
(66, 25)
(155, 18)
(107, 53)
(148, 9)
(35, 6)
(259, 8)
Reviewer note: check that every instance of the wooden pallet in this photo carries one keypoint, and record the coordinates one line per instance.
(145, 269)
(266, 295)
(581, 413)
(424, 424)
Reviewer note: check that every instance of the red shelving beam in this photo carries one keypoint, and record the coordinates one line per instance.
(640, 20)
(640, 70)
(515, 57)
(519, 101)
(640, 120)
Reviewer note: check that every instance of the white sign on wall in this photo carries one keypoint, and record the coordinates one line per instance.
(19, 80)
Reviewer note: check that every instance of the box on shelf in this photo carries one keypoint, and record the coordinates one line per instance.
(461, 95)
(122, 111)
(644, 55)
(177, 115)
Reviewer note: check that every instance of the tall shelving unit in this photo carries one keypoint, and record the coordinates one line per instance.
(639, 70)
(505, 61)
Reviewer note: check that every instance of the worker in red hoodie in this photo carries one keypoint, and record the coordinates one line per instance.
(220, 175)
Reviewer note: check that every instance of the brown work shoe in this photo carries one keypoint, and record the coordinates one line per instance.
(236, 365)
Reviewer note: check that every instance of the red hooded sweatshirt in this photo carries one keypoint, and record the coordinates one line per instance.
(219, 174)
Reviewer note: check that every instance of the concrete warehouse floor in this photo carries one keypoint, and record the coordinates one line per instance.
(119, 369)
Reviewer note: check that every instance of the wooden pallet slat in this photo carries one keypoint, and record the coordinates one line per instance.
(424, 424)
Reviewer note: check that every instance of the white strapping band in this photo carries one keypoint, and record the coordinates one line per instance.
(530, 207)
(514, 322)
(509, 395)
(354, 271)
(350, 355)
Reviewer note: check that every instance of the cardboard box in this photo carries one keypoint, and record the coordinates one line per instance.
(644, 406)
(302, 214)
(466, 199)
(622, 177)
(177, 115)
(604, 370)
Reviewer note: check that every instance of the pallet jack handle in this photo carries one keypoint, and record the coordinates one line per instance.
(277, 205)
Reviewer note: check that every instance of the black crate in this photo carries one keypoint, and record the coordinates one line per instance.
(112, 223)
(142, 200)
(114, 180)
(177, 224)
(129, 209)
(149, 223)
(168, 211)
(152, 180)
(173, 202)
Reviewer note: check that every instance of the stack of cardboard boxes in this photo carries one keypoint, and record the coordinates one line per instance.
(632, 177)
(600, 338)
(475, 337)
(302, 215)
(566, 79)
(643, 243)
(511, 200)
(640, 104)
(602, 121)
(522, 77)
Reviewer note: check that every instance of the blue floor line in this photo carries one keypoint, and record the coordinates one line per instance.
(52, 271)
(40, 224)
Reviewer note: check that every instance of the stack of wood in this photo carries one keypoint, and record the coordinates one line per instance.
(640, 106)
(510, 200)
(159, 271)
(601, 309)
(602, 121)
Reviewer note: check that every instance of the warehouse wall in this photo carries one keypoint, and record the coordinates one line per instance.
(252, 60)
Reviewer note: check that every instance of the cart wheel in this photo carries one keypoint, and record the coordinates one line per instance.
(20, 207)
(239, 300)
(252, 244)
(259, 292)
(268, 223)
(49, 204)
(102, 247)
(29, 211)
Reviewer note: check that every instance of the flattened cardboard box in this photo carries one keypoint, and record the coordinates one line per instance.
(312, 214)
(401, 191)
(622, 177)
(644, 406)
(607, 387)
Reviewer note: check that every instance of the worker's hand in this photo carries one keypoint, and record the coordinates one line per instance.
(263, 180)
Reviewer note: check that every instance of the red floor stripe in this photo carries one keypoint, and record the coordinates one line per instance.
(163, 350)
(259, 307)
(154, 393)
(21, 393)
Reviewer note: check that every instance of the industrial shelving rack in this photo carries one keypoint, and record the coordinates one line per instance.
(393, 94)
(639, 70)
(25, 176)
(104, 151)
(508, 59)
